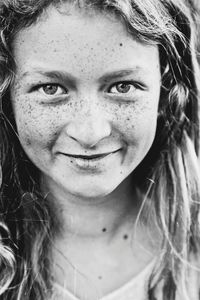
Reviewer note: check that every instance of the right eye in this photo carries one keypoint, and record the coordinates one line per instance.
(51, 89)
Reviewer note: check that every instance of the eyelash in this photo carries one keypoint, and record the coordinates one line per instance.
(43, 86)
(129, 84)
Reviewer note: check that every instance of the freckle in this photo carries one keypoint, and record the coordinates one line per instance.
(125, 237)
(104, 230)
(100, 277)
(28, 142)
(121, 44)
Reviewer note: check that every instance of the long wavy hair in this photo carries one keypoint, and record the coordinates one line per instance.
(168, 176)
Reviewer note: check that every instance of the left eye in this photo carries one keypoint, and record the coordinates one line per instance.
(122, 88)
(52, 90)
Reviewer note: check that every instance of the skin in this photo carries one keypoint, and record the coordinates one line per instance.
(91, 117)
(68, 99)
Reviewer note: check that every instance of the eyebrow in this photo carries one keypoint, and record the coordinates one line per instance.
(56, 75)
(65, 76)
(121, 73)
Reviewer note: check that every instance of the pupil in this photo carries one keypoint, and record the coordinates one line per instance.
(50, 89)
(123, 88)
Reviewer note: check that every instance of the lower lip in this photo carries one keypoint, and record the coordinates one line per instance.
(91, 164)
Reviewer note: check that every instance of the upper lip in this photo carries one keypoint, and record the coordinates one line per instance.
(92, 156)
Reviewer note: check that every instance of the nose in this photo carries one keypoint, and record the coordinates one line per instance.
(89, 129)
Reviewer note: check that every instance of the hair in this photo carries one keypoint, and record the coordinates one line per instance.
(169, 174)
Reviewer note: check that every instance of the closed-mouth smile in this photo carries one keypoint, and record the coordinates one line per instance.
(91, 157)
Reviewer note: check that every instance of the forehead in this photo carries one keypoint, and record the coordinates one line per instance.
(76, 37)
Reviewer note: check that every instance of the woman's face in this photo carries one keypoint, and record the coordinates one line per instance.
(85, 100)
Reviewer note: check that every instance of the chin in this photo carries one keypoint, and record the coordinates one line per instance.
(92, 191)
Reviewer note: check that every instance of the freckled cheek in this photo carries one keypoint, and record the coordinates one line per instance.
(136, 121)
(35, 127)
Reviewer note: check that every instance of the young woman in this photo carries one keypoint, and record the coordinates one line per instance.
(99, 130)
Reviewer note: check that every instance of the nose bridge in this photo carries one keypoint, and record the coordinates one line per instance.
(90, 124)
(90, 109)
(90, 106)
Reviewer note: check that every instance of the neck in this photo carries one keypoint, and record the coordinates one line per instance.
(94, 218)
(98, 239)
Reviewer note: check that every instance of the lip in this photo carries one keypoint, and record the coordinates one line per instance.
(91, 157)
(92, 162)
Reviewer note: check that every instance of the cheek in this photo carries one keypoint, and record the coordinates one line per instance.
(39, 126)
(34, 125)
(137, 120)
